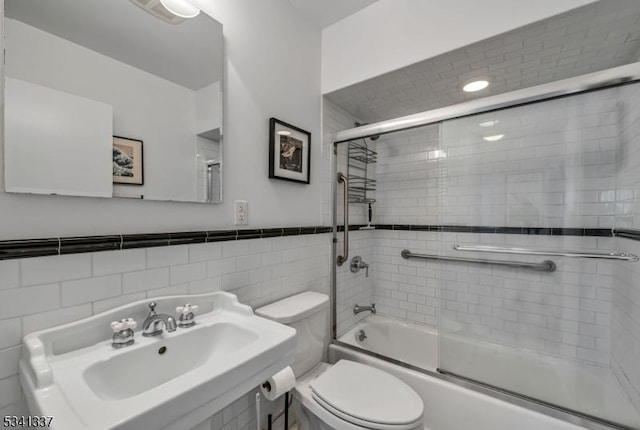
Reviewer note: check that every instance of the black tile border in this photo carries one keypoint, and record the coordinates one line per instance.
(627, 233)
(597, 232)
(13, 249)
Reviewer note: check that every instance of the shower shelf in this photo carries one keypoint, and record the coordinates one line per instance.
(360, 184)
(360, 152)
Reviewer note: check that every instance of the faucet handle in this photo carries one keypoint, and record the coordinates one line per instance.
(117, 326)
(152, 306)
(123, 332)
(186, 309)
(124, 324)
(187, 315)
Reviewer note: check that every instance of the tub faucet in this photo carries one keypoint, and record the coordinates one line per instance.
(152, 325)
(357, 309)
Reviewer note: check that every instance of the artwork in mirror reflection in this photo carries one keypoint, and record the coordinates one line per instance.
(79, 74)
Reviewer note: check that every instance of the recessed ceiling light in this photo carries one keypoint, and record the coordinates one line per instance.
(475, 86)
(489, 123)
(283, 133)
(435, 155)
(181, 8)
(493, 138)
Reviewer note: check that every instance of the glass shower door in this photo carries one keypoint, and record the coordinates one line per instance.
(535, 177)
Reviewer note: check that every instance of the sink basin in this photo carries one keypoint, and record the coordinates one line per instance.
(163, 359)
(172, 381)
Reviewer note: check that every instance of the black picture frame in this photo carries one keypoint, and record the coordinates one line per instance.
(289, 152)
(134, 149)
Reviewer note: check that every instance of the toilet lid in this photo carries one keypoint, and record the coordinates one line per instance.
(367, 396)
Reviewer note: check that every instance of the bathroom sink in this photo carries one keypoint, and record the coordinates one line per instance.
(159, 360)
(172, 381)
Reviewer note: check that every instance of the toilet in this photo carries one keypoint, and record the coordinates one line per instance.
(344, 396)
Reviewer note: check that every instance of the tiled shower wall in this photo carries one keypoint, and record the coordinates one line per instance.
(41, 292)
(554, 166)
(565, 313)
(626, 293)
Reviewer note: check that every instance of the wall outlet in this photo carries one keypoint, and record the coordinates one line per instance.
(241, 211)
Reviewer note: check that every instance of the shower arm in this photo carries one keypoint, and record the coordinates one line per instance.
(345, 181)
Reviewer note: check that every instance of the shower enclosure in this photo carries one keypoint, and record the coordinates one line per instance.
(507, 224)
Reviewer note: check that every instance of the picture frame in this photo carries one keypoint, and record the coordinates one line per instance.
(289, 152)
(128, 163)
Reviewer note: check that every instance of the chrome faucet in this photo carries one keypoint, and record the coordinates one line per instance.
(357, 309)
(153, 324)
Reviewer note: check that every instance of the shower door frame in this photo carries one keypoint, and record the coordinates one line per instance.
(609, 78)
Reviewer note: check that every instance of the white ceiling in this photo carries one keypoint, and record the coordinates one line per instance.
(326, 12)
(595, 37)
(189, 54)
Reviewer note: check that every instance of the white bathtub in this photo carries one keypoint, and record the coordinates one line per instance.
(576, 386)
(409, 343)
(447, 406)
(450, 407)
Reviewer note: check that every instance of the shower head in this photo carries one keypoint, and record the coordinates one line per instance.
(360, 124)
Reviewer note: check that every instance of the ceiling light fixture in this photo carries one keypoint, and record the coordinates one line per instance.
(493, 138)
(474, 86)
(181, 8)
(489, 123)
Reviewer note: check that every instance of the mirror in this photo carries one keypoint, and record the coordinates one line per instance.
(115, 98)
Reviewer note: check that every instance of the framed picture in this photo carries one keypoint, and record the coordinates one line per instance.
(289, 152)
(127, 161)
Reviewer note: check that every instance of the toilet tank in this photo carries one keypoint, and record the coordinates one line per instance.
(308, 313)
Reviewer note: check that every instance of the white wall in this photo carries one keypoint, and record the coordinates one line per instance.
(75, 160)
(260, 83)
(391, 34)
(208, 108)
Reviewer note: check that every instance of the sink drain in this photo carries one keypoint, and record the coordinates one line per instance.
(162, 350)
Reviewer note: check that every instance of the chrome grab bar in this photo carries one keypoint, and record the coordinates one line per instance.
(524, 251)
(342, 258)
(545, 266)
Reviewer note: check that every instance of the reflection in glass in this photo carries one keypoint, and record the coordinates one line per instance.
(79, 73)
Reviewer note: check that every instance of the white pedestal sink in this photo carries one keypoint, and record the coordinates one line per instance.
(172, 381)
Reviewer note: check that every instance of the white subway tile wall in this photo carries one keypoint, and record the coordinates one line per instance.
(625, 332)
(552, 165)
(355, 288)
(566, 313)
(408, 174)
(60, 289)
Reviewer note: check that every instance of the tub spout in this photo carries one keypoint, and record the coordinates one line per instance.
(357, 309)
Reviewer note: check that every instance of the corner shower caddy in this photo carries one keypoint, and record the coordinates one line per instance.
(360, 183)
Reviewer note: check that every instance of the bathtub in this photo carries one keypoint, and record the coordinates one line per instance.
(574, 385)
(448, 406)
(412, 344)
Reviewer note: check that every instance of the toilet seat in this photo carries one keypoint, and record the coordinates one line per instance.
(367, 397)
